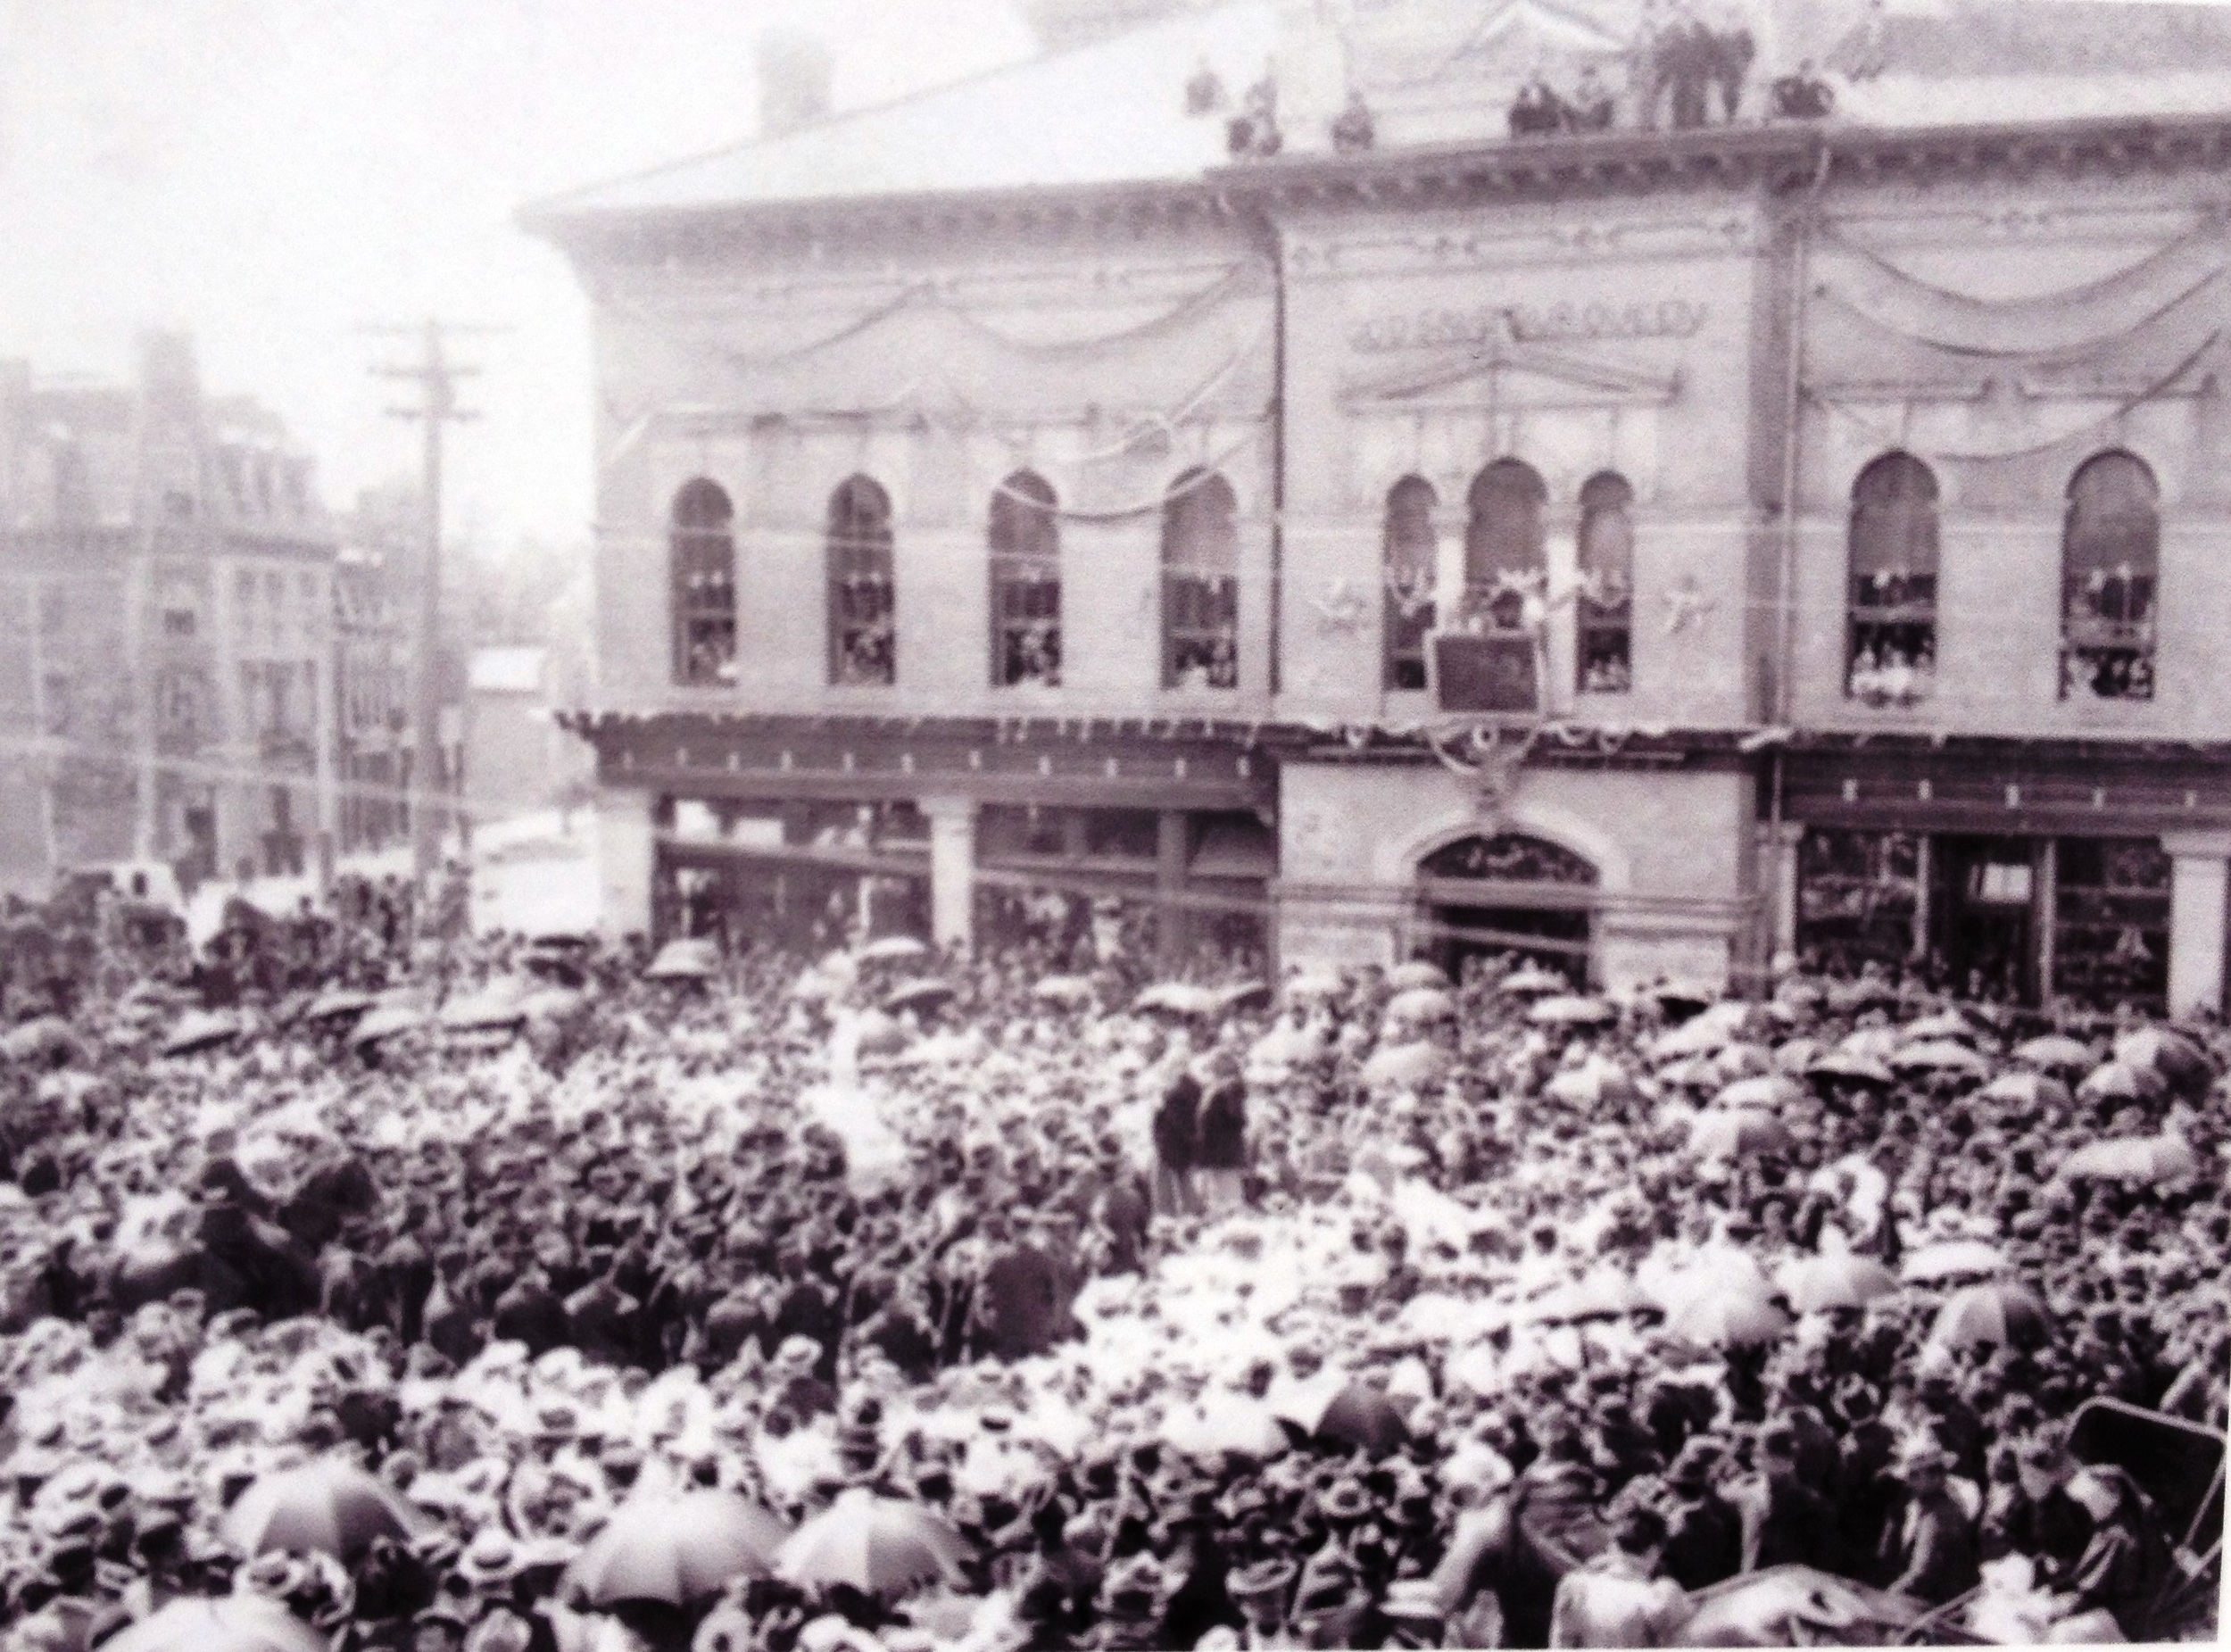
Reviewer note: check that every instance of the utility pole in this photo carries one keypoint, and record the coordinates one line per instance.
(436, 376)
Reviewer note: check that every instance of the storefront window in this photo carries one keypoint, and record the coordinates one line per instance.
(1893, 566)
(2111, 929)
(1857, 894)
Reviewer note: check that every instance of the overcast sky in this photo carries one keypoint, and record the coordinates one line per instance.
(273, 175)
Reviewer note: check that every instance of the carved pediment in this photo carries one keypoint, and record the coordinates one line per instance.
(1511, 375)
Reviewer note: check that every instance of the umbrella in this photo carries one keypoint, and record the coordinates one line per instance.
(1228, 1423)
(552, 1003)
(1076, 991)
(1939, 1055)
(203, 1029)
(1703, 1036)
(880, 1035)
(498, 1004)
(1846, 998)
(1795, 1055)
(685, 960)
(2002, 1313)
(1850, 1069)
(1311, 984)
(1570, 1009)
(1533, 980)
(1684, 999)
(1333, 1407)
(2150, 1161)
(1590, 1085)
(1242, 995)
(678, 1550)
(1417, 972)
(1176, 998)
(1741, 1060)
(1817, 1284)
(1951, 1258)
(1881, 1042)
(892, 950)
(1945, 1024)
(1697, 1072)
(2118, 1081)
(1605, 1293)
(386, 1021)
(338, 1005)
(1727, 1319)
(874, 1544)
(2056, 1053)
(1763, 1093)
(2030, 1091)
(1718, 1270)
(1422, 1003)
(918, 995)
(40, 1039)
(228, 1624)
(1732, 1134)
(1406, 1064)
(330, 1504)
(2179, 1061)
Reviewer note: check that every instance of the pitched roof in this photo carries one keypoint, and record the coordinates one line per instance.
(1107, 113)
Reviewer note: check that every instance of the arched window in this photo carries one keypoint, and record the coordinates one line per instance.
(702, 564)
(1504, 556)
(1200, 583)
(2110, 562)
(1408, 560)
(1025, 544)
(863, 635)
(1892, 554)
(1605, 635)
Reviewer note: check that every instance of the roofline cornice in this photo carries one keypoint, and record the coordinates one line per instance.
(1775, 157)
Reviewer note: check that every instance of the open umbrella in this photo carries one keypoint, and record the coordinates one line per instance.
(1603, 1293)
(2182, 1065)
(2056, 1053)
(1817, 1284)
(1411, 1065)
(1591, 1085)
(876, 1545)
(1846, 998)
(1945, 1024)
(1228, 1423)
(2119, 1081)
(1952, 1259)
(918, 996)
(1793, 1055)
(1704, 1035)
(552, 1003)
(1765, 1092)
(202, 1029)
(880, 1034)
(2144, 1161)
(330, 1505)
(44, 1038)
(1311, 986)
(1531, 980)
(1334, 1408)
(1717, 1270)
(678, 1550)
(1074, 991)
(685, 960)
(1242, 995)
(501, 1003)
(1570, 1009)
(1176, 998)
(1736, 1132)
(1939, 1055)
(1417, 972)
(2030, 1091)
(1422, 1003)
(386, 1021)
(1847, 1067)
(892, 950)
(2002, 1313)
(228, 1624)
(1727, 1318)
(1696, 1073)
(338, 1005)
(1881, 1042)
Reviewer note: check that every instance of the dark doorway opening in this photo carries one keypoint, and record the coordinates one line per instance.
(1983, 915)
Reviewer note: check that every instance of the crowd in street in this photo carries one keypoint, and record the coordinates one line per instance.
(515, 1296)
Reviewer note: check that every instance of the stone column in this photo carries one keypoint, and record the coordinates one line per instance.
(625, 848)
(1174, 928)
(952, 868)
(2198, 882)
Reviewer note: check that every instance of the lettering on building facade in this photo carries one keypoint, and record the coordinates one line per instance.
(1431, 329)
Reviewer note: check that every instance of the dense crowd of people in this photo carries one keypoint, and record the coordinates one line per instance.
(407, 1294)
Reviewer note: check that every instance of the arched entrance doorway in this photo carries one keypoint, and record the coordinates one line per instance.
(1506, 893)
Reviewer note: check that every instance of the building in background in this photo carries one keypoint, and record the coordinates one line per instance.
(517, 758)
(166, 684)
(1660, 491)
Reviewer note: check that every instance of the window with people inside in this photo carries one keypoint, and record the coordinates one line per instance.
(1892, 658)
(1603, 606)
(1024, 544)
(863, 620)
(1408, 556)
(2111, 555)
(702, 555)
(1200, 583)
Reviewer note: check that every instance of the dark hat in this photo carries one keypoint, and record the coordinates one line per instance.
(1344, 1500)
(1694, 1465)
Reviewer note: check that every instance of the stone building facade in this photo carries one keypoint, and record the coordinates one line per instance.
(1658, 549)
(166, 684)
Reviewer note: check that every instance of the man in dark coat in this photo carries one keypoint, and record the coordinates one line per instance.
(1177, 1146)
(1703, 1543)
(1785, 1522)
